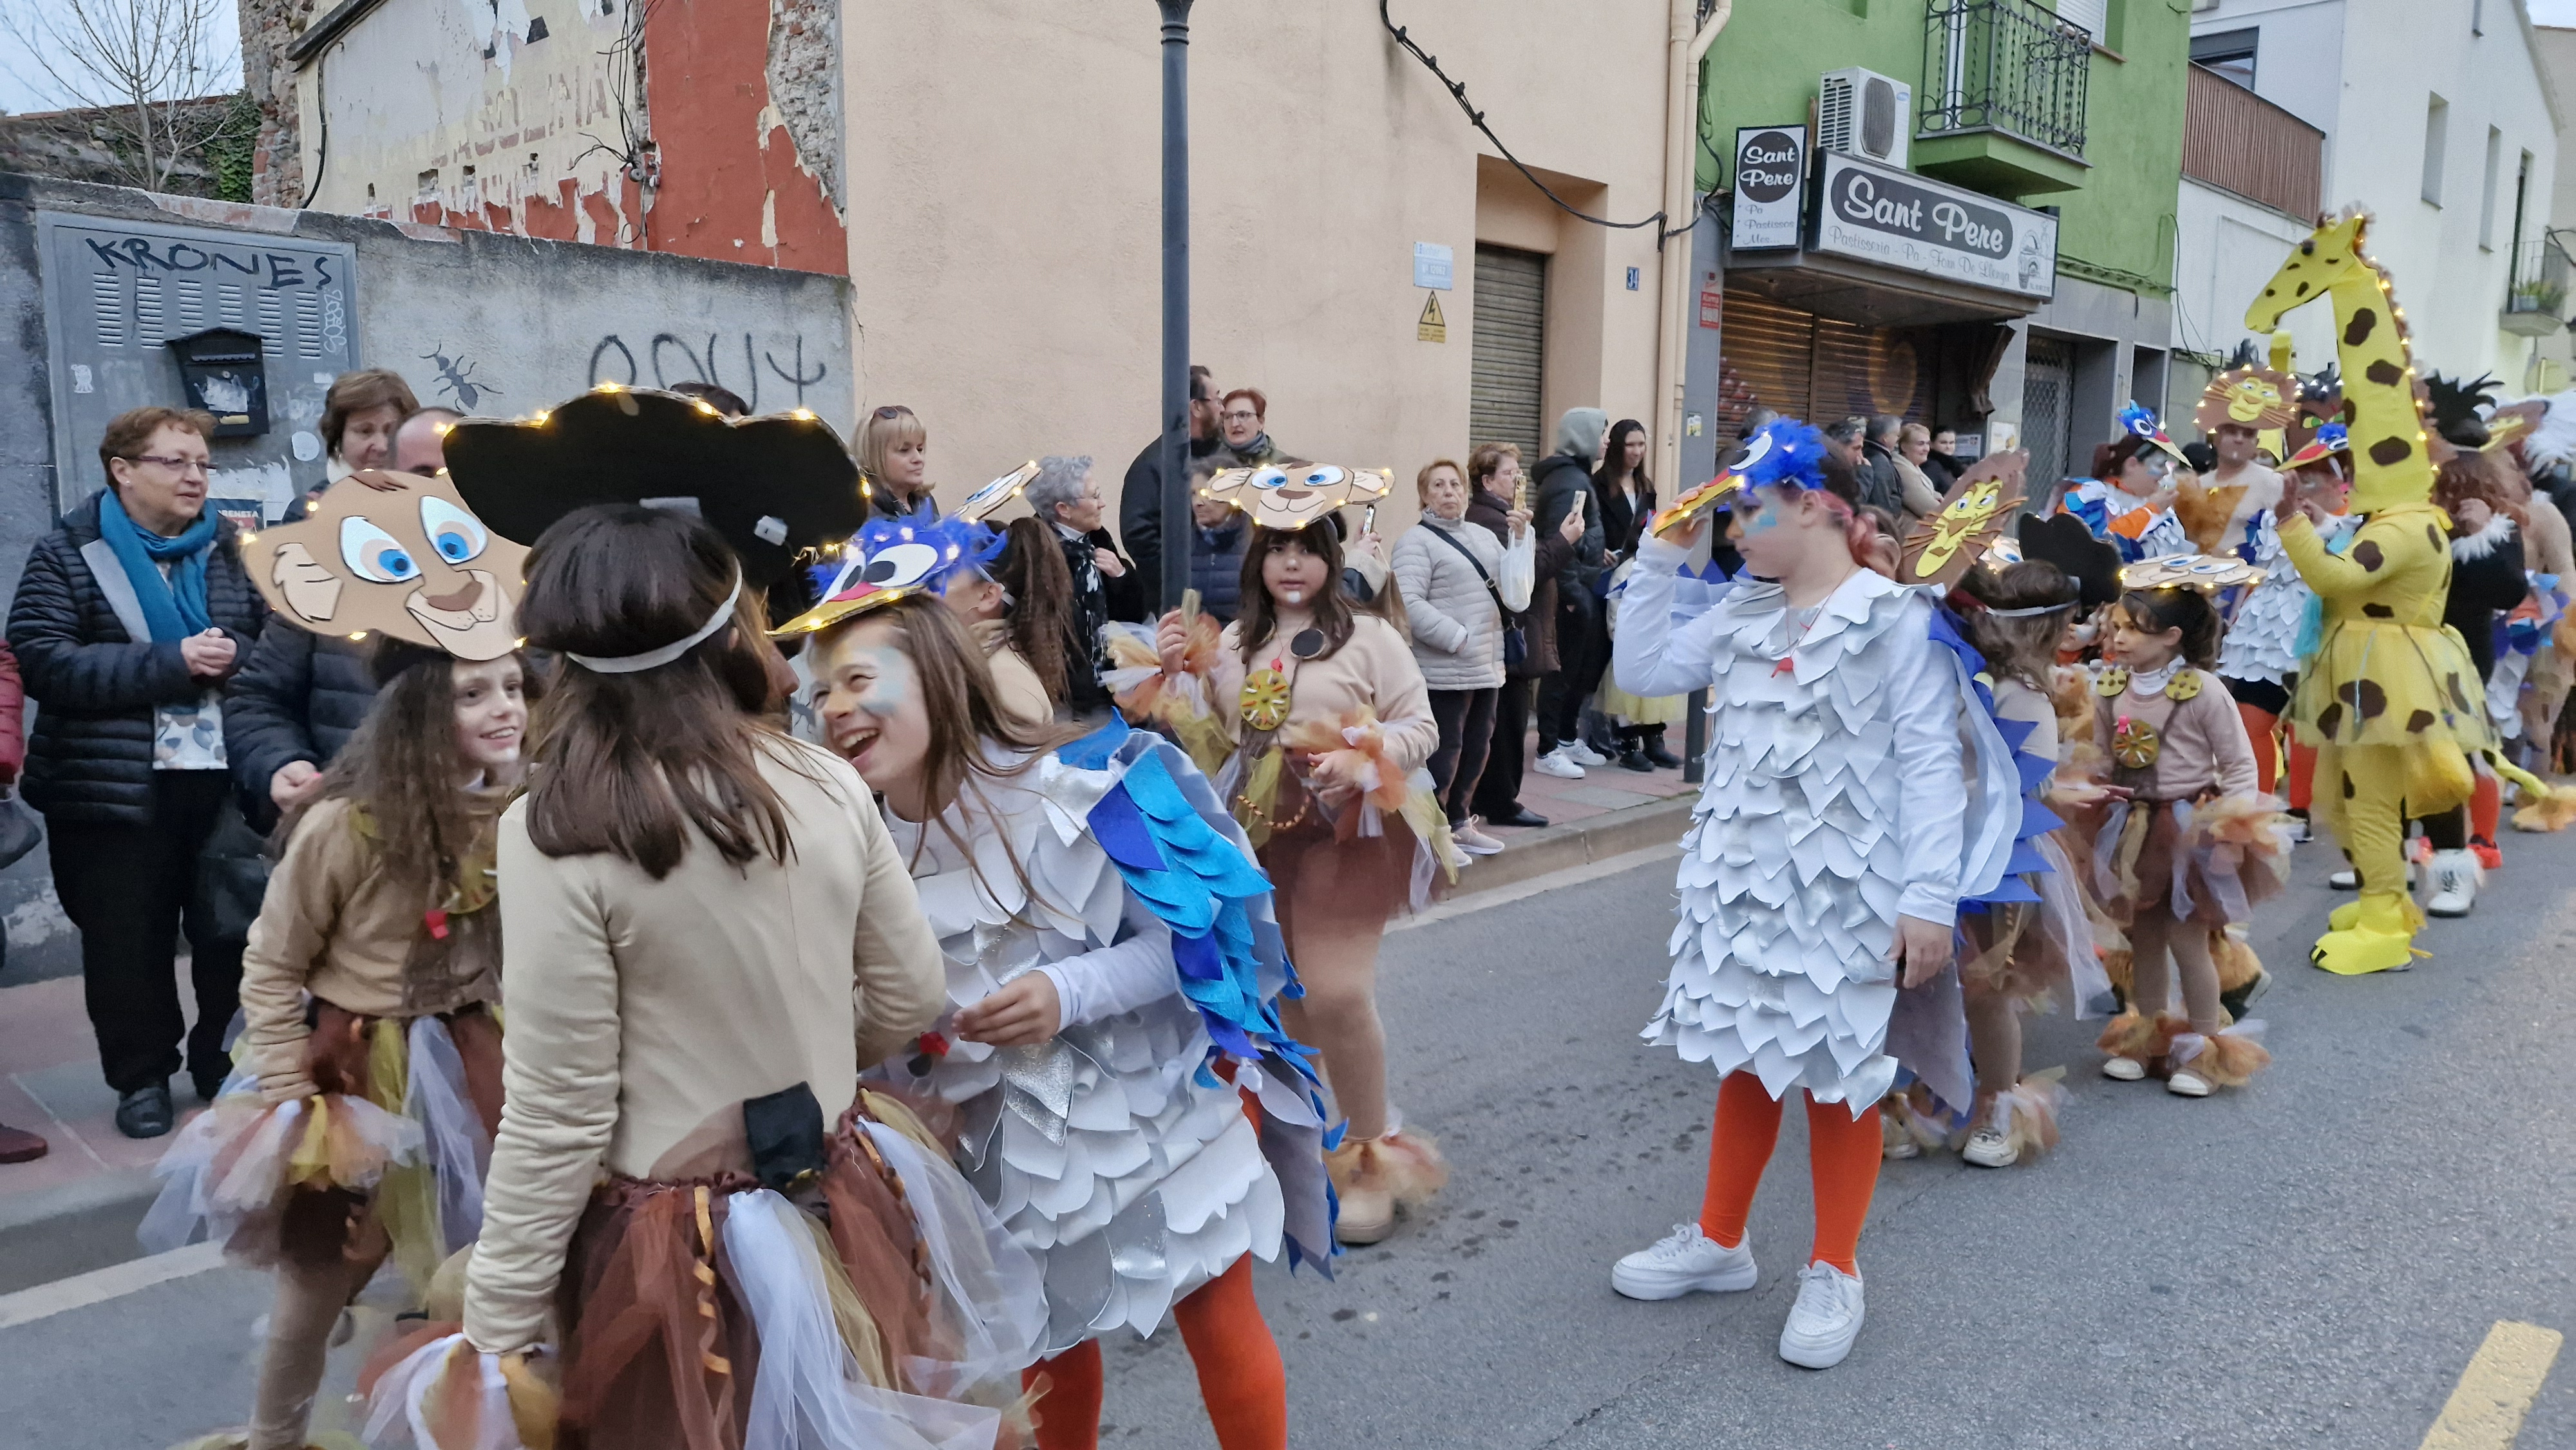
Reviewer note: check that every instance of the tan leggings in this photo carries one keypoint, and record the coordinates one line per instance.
(309, 1300)
(1334, 900)
(1994, 1042)
(2153, 934)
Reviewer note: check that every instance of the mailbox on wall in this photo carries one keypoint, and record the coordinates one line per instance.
(222, 370)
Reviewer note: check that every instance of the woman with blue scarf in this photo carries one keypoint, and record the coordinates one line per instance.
(129, 618)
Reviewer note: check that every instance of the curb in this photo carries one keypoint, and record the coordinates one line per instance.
(1578, 843)
(70, 1200)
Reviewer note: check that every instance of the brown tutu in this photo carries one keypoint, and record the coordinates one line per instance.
(659, 1347)
(2226, 857)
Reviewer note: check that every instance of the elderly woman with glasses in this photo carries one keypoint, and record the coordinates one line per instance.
(1067, 498)
(129, 618)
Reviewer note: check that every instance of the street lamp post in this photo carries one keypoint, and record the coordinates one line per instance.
(1176, 301)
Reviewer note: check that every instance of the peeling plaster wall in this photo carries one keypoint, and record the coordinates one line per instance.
(805, 84)
(537, 117)
(506, 117)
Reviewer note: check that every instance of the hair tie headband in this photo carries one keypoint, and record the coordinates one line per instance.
(2034, 611)
(656, 658)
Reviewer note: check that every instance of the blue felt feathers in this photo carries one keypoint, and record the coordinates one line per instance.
(1202, 884)
(2036, 818)
(1786, 451)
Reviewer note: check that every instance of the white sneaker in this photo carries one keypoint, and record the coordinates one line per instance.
(1583, 754)
(2187, 1084)
(1685, 1261)
(1825, 1320)
(1559, 764)
(1989, 1148)
(2349, 879)
(1471, 838)
(2301, 831)
(2123, 1069)
(2455, 883)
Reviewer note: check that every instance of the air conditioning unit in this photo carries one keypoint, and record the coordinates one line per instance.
(1862, 113)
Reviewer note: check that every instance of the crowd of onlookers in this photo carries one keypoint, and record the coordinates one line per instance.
(172, 728)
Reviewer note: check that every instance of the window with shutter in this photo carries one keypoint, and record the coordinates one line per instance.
(1508, 351)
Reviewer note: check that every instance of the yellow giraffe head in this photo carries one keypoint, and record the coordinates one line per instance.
(2332, 256)
(2390, 463)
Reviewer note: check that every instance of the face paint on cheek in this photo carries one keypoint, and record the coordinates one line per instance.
(884, 695)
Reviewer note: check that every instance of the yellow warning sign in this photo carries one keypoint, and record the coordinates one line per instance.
(1433, 327)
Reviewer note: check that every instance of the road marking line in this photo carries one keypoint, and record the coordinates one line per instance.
(100, 1285)
(2496, 1390)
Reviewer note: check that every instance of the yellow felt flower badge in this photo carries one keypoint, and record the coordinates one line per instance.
(1264, 699)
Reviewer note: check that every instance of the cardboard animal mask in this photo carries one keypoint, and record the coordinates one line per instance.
(398, 554)
(1292, 498)
(1972, 518)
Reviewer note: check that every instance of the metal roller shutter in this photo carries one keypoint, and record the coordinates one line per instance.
(1772, 348)
(1507, 348)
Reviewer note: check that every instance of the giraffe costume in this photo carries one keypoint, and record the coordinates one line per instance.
(2391, 697)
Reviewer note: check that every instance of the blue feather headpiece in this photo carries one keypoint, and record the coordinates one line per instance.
(1786, 451)
(2142, 424)
(893, 559)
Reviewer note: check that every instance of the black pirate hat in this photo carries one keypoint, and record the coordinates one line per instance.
(774, 486)
(2063, 540)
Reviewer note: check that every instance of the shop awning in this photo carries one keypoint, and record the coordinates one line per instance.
(1850, 290)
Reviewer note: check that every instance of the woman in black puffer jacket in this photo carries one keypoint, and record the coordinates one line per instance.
(127, 758)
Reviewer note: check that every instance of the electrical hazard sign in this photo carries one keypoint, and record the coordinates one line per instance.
(1432, 327)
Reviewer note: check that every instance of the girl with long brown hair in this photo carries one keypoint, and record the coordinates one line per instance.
(368, 990)
(710, 935)
(1060, 971)
(1320, 729)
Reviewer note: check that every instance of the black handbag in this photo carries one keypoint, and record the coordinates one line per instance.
(1515, 638)
(19, 831)
(232, 876)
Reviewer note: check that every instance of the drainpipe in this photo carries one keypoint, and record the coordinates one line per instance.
(1689, 41)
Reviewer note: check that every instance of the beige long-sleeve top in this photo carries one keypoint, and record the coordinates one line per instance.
(642, 1013)
(334, 925)
(2205, 747)
(1375, 668)
(2547, 546)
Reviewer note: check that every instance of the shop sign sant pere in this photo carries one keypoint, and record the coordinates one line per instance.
(1899, 219)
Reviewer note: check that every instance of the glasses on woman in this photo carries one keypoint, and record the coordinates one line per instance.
(1242, 417)
(175, 465)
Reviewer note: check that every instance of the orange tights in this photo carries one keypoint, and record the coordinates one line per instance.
(2303, 774)
(2486, 808)
(2259, 728)
(1240, 1376)
(1842, 1159)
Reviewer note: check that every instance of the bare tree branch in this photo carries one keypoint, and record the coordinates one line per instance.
(140, 68)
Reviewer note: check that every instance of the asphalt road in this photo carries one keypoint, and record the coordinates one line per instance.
(2311, 1261)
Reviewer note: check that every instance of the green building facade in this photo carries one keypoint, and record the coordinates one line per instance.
(2068, 112)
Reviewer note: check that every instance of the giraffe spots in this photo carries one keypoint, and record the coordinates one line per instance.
(2347, 785)
(2419, 722)
(2367, 699)
(2368, 555)
(2385, 373)
(2378, 611)
(2307, 248)
(2327, 720)
(2389, 452)
(2351, 412)
(2433, 536)
(2459, 697)
(2365, 320)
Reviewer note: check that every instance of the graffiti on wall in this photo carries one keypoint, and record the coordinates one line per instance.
(668, 358)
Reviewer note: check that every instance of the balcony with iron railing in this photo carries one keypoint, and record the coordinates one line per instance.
(2535, 293)
(2003, 97)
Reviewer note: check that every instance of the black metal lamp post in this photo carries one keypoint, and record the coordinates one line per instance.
(1176, 301)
